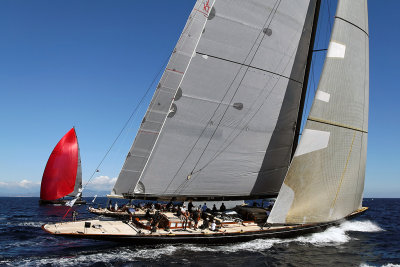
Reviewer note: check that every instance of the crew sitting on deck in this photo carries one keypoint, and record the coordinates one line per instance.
(183, 212)
(222, 208)
(205, 225)
(178, 211)
(155, 221)
(131, 212)
(126, 207)
(190, 206)
(213, 226)
(196, 217)
(147, 215)
(169, 206)
(214, 209)
(141, 206)
(184, 216)
(204, 208)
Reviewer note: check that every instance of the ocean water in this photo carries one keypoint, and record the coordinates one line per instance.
(373, 239)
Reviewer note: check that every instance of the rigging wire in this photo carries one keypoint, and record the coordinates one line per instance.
(245, 126)
(186, 29)
(216, 155)
(219, 104)
(237, 89)
(129, 119)
(273, 12)
(225, 145)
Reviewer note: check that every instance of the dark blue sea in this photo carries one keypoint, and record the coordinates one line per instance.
(373, 239)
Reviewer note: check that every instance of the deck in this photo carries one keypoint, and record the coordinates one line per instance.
(125, 231)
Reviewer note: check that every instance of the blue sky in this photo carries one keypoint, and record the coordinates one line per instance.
(88, 63)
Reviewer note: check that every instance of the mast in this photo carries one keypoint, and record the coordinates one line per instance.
(278, 154)
(306, 77)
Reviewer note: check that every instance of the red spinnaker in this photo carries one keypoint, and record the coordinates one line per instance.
(60, 173)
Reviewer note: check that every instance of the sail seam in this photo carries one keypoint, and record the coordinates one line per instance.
(352, 24)
(249, 66)
(336, 124)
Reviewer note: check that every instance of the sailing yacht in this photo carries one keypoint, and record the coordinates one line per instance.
(62, 176)
(225, 118)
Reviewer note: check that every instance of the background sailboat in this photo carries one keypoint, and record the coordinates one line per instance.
(63, 173)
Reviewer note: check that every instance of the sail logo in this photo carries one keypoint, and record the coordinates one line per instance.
(206, 7)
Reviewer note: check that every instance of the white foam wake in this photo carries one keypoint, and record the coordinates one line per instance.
(31, 224)
(330, 237)
(118, 255)
(338, 234)
(386, 265)
(360, 226)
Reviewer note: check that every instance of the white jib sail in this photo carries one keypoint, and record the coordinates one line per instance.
(325, 181)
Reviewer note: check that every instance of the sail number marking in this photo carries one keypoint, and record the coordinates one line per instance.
(206, 7)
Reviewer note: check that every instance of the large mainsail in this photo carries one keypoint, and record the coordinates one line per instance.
(325, 181)
(221, 99)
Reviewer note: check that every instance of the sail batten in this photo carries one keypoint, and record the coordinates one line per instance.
(326, 178)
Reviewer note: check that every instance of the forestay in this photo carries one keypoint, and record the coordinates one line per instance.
(325, 181)
(212, 118)
(160, 106)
